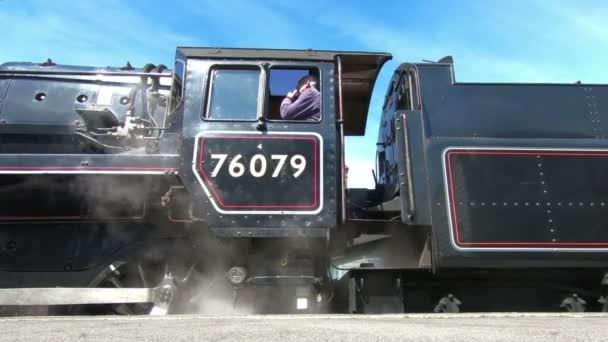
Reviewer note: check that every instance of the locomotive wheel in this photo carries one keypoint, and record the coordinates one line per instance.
(145, 266)
(123, 274)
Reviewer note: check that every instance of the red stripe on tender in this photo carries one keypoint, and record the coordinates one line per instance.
(453, 200)
(515, 153)
(456, 229)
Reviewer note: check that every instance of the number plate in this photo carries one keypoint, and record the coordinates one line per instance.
(272, 173)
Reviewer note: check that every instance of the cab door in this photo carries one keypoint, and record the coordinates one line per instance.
(261, 175)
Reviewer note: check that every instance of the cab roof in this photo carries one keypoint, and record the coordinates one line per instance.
(359, 73)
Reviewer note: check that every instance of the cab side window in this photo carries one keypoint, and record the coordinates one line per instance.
(283, 81)
(233, 94)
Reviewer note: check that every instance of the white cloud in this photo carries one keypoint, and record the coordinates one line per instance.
(87, 33)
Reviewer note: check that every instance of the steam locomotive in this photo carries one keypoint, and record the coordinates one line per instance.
(152, 191)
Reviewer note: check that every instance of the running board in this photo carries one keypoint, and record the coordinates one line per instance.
(74, 296)
(161, 296)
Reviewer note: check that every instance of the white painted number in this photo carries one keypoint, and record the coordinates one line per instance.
(258, 165)
(257, 173)
(236, 169)
(222, 159)
(281, 158)
(298, 162)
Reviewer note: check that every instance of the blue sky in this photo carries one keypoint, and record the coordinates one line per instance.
(521, 41)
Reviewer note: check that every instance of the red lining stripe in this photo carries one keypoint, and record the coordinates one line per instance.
(455, 227)
(59, 219)
(85, 168)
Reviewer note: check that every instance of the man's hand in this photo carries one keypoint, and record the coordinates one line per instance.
(293, 94)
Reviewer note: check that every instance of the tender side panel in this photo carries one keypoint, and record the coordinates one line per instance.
(527, 198)
(261, 174)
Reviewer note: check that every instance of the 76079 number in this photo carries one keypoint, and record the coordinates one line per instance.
(258, 165)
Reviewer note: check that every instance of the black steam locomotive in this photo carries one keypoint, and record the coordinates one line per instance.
(151, 191)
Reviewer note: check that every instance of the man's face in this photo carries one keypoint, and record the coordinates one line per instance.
(304, 86)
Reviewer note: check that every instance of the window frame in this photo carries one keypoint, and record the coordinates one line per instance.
(409, 78)
(263, 88)
(294, 66)
(170, 110)
(405, 99)
(232, 66)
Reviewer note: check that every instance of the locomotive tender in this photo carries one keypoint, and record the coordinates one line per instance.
(154, 190)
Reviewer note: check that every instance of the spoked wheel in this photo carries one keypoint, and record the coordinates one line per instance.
(124, 274)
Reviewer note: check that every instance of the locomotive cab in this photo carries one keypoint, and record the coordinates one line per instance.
(279, 182)
(253, 172)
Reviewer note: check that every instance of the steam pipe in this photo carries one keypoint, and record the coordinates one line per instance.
(341, 126)
(45, 73)
(93, 141)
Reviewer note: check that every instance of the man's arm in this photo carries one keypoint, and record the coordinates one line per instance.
(293, 110)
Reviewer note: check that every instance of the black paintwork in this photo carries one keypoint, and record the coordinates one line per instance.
(193, 111)
(275, 54)
(550, 193)
(440, 113)
(100, 201)
(425, 113)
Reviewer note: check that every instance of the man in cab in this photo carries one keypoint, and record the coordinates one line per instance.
(304, 102)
